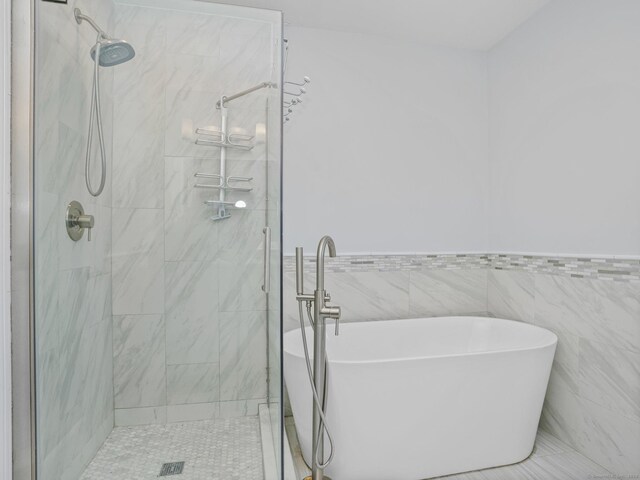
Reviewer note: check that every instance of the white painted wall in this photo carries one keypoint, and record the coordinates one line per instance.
(5, 272)
(389, 152)
(565, 131)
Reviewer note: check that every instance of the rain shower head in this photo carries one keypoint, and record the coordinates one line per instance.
(112, 51)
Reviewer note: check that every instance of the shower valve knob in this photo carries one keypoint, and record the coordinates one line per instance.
(77, 221)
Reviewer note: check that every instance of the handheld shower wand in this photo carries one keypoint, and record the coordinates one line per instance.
(107, 52)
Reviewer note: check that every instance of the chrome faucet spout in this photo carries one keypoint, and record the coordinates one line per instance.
(325, 242)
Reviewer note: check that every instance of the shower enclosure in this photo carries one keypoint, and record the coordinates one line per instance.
(157, 323)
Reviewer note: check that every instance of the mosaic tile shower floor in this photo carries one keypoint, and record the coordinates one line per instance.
(225, 449)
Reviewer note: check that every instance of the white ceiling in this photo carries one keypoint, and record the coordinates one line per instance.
(473, 24)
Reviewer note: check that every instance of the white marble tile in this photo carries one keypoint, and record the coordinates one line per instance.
(138, 162)
(368, 295)
(609, 439)
(198, 72)
(192, 412)
(184, 206)
(125, 417)
(448, 292)
(243, 355)
(241, 237)
(245, 56)
(511, 295)
(139, 361)
(191, 312)
(46, 269)
(193, 383)
(560, 415)
(142, 80)
(241, 283)
(194, 33)
(598, 310)
(547, 444)
(138, 261)
(240, 408)
(564, 372)
(610, 377)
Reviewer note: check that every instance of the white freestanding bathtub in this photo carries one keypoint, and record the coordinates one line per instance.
(419, 398)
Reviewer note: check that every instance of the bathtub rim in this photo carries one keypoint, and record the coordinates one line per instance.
(552, 342)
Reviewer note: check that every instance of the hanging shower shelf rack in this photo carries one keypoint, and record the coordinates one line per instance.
(212, 137)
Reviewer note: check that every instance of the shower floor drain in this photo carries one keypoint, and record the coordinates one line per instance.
(174, 468)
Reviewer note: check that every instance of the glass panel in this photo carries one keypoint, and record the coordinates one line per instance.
(159, 323)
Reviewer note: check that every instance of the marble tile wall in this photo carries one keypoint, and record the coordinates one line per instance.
(378, 288)
(593, 399)
(592, 304)
(189, 314)
(74, 371)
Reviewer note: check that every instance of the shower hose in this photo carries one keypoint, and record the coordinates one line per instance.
(321, 405)
(97, 112)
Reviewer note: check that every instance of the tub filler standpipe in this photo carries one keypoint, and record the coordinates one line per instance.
(318, 377)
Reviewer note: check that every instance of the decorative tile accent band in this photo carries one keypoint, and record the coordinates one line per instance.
(618, 269)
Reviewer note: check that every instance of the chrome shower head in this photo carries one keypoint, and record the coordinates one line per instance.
(113, 52)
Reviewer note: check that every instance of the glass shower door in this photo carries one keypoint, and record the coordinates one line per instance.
(157, 341)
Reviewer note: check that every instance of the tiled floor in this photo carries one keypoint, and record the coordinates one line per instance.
(551, 460)
(224, 449)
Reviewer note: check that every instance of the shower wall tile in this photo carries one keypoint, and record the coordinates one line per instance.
(74, 370)
(139, 361)
(242, 279)
(194, 383)
(240, 408)
(125, 417)
(511, 294)
(138, 261)
(448, 292)
(194, 34)
(189, 233)
(143, 79)
(138, 161)
(193, 412)
(170, 260)
(196, 72)
(243, 355)
(191, 311)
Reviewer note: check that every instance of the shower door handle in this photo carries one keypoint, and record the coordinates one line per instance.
(266, 286)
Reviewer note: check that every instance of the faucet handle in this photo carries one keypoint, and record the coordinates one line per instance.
(332, 311)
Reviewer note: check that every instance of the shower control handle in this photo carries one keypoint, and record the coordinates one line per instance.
(86, 222)
(77, 221)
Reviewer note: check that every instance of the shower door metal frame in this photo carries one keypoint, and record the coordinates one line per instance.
(23, 391)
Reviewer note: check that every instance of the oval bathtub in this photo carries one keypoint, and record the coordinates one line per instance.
(425, 397)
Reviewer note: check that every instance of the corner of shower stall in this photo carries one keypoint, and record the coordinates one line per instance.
(157, 342)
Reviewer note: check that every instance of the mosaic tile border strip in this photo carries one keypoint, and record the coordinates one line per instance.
(618, 269)
(392, 263)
